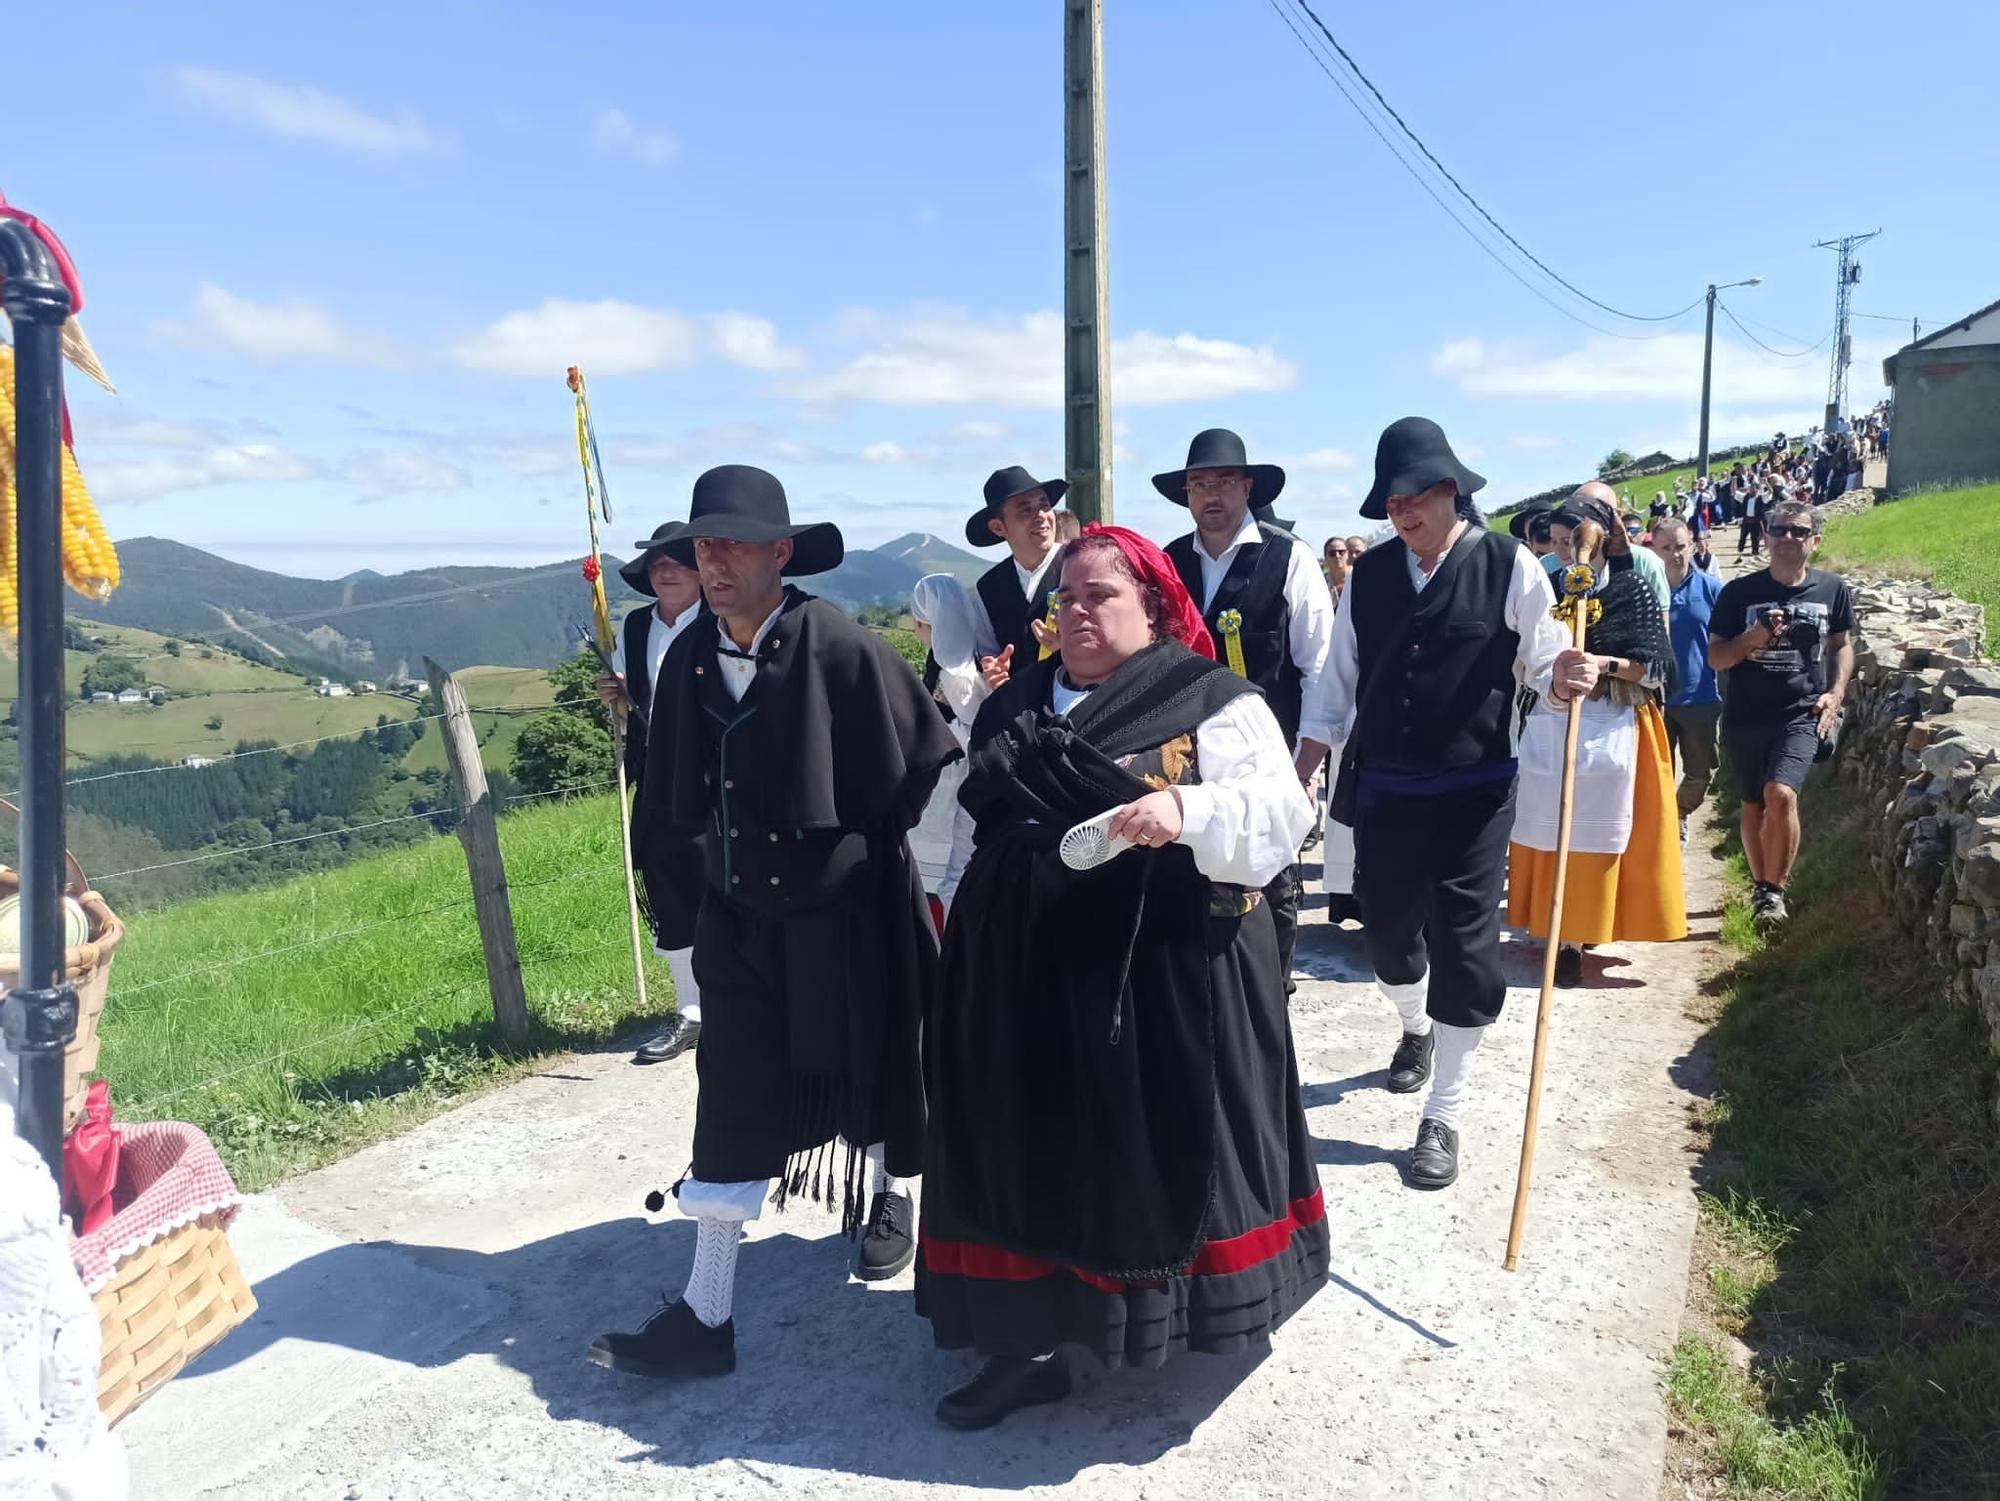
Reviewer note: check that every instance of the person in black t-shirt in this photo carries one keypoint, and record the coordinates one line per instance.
(1782, 639)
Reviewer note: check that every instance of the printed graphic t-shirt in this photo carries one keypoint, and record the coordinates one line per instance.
(1783, 678)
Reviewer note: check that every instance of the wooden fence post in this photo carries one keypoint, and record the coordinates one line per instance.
(481, 839)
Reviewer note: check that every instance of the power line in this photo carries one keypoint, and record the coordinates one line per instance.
(1464, 193)
(1783, 354)
(1471, 234)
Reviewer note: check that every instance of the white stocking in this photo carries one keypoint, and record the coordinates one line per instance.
(1450, 1069)
(711, 1288)
(884, 1181)
(687, 994)
(1409, 1003)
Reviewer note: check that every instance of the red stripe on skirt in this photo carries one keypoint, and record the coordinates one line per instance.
(1216, 1258)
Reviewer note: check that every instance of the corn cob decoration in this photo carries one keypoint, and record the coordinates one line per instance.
(90, 563)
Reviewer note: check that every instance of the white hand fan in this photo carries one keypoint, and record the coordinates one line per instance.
(1090, 844)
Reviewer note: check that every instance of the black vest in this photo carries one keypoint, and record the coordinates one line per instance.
(1451, 680)
(637, 633)
(1012, 612)
(1255, 588)
(773, 870)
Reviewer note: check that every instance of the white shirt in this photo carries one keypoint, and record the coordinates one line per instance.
(1246, 817)
(738, 673)
(1308, 603)
(1526, 613)
(1031, 579)
(658, 639)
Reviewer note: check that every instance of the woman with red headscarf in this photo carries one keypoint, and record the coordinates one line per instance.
(1117, 1155)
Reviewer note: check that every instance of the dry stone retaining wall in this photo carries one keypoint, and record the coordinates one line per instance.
(1921, 743)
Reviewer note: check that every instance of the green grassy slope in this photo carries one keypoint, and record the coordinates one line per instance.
(1949, 536)
(295, 1022)
(179, 727)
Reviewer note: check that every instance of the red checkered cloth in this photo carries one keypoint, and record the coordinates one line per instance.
(168, 1176)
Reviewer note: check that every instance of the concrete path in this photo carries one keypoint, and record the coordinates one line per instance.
(426, 1303)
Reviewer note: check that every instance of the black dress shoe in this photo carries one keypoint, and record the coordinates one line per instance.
(1007, 1384)
(1411, 1066)
(887, 1245)
(1569, 968)
(670, 1044)
(672, 1343)
(1434, 1159)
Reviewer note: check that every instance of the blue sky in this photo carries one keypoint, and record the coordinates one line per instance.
(337, 257)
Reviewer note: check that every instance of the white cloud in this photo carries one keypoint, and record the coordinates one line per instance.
(271, 332)
(885, 453)
(1663, 369)
(1319, 461)
(299, 112)
(939, 357)
(107, 427)
(131, 480)
(620, 135)
(752, 342)
(387, 474)
(607, 337)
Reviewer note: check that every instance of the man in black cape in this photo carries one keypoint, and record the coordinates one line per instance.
(673, 879)
(801, 748)
(1262, 595)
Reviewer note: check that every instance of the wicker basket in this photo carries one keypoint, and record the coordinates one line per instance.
(88, 968)
(165, 1306)
(161, 1273)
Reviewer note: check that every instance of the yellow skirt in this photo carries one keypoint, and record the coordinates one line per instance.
(1635, 897)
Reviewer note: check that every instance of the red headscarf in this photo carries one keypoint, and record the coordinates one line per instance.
(1182, 619)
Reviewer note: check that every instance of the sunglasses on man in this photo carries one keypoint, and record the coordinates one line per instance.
(1793, 533)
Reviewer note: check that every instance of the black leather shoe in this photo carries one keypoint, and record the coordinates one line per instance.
(887, 1245)
(1007, 1384)
(1569, 968)
(673, 1343)
(670, 1044)
(1434, 1159)
(1410, 1069)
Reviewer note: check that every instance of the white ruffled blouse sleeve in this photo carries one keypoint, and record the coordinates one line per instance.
(1247, 816)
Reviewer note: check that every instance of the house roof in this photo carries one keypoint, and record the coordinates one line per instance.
(1956, 327)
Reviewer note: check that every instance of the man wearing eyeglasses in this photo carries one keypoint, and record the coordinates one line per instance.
(1782, 640)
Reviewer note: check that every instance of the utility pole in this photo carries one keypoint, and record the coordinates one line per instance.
(1843, 348)
(1708, 363)
(1086, 318)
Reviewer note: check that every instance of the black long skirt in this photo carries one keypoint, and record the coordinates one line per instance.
(1262, 1245)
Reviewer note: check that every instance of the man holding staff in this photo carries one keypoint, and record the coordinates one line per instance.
(1421, 682)
(672, 878)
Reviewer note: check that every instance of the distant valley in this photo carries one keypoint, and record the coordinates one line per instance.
(372, 625)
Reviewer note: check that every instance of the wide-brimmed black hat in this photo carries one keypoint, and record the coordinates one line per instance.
(634, 572)
(1524, 518)
(1411, 457)
(1219, 448)
(1002, 486)
(740, 503)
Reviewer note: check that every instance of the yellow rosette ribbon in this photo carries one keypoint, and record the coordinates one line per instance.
(1230, 623)
(1576, 583)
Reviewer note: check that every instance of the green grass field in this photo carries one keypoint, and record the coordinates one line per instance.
(190, 672)
(1949, 536)
(179, 727)
(490, 687)
(296, 1022)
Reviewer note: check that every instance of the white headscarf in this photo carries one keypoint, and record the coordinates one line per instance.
(960, 636)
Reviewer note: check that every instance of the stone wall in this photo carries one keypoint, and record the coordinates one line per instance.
(1921, 743)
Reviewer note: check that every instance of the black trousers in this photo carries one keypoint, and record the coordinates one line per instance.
(1430, 872)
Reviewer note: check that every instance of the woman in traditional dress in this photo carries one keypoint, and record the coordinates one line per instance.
(1624, 882)
(958, 637)
(1118, 1158)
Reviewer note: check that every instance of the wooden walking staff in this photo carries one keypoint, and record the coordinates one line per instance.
(1575, 610)
(597, 500)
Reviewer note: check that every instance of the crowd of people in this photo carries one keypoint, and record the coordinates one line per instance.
(1088, 1057)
